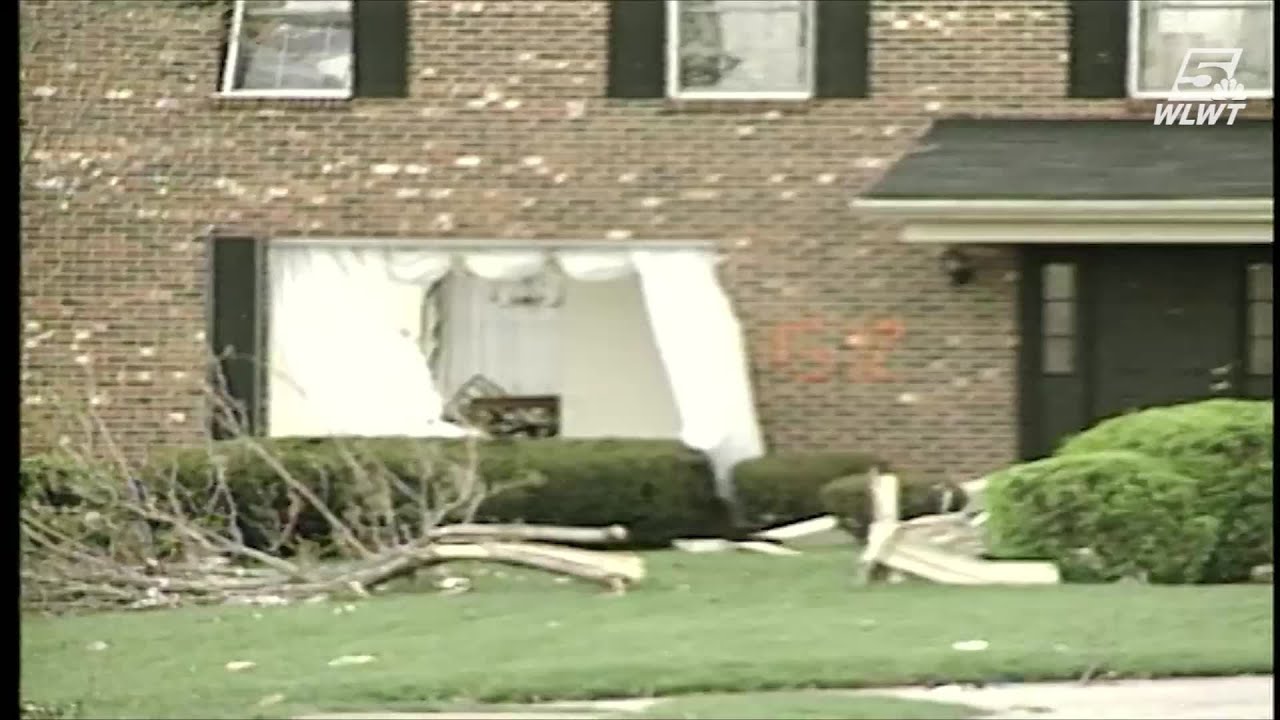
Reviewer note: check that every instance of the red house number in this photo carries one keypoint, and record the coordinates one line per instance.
(811, 344)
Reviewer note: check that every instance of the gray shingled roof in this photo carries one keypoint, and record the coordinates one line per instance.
(1083, 159)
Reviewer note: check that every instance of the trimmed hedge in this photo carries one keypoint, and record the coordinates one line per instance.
(849, 498)
(785, 487)
(1227, 447)
(1136, 515)
(659, 490)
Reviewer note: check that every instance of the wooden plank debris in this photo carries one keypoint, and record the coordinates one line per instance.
(821, 531)
(713, 545)
(944, 548)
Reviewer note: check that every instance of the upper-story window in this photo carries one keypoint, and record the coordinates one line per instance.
(740, 49)
(1236, 38)
(290, 48)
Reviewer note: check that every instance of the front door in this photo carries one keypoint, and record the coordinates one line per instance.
(1166, 327)
(1111, 329)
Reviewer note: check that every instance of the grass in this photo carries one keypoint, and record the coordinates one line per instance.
(701, 624)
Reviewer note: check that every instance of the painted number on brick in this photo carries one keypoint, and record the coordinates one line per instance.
(813, 351)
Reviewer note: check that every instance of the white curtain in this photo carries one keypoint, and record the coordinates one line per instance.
(344, 355)
(700, 342)
(346, 359)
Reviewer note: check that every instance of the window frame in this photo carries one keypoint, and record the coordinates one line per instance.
(1133, 61)
(1253, 303)
(672, 57)
(230, 63)
(1069, 335)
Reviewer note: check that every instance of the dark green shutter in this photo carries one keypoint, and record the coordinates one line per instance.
(228, 15)
(637, 49)
(381, 40)
(843, 35)
(237, 326)
(1099, 48)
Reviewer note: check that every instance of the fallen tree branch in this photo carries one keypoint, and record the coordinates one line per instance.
(96, 585)
(139, 535)
(469, 532)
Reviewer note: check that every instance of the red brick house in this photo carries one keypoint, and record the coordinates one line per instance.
(945, 231)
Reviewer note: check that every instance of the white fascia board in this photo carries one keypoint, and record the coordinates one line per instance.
(1246, 210)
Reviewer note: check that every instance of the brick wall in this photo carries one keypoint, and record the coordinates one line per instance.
(129, 160)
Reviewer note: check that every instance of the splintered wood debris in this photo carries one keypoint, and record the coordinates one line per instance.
(944, 548)
(783, 541)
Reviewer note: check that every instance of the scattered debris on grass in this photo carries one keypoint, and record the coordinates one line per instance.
(767, 548)
(714, 545)
(970, 645)
(351, 660)
(269, 700)
(49, 711)
(238, 665)
(1261, 574)
(453, 585)
(943, 548)
(782, 541)
(822, 531)
(282, 582)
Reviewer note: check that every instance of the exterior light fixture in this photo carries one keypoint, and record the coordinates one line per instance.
(957, 266)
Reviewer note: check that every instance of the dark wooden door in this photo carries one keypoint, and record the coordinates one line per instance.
(1110, 329)
(1166, 327)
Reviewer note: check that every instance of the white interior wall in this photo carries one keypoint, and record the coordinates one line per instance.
(613, 382)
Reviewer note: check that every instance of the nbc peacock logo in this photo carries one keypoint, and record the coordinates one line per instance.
(1200, 96)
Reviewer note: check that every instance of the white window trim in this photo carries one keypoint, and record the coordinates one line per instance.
(673, 64)
(1133, 65)
(228, 89)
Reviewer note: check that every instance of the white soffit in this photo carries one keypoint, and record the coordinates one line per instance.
(1076, 221)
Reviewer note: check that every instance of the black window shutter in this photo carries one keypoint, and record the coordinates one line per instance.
(381, 41)
(237, 330)
(843, 35)
(1099, 49)
(637, 49)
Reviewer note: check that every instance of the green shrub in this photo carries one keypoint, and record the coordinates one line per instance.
(657, 489)
(849, 498)
(55, 479)
(784, 487)
(1134, 516)
(1227, 447)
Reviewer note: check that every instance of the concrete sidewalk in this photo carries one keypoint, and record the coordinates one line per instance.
(1232, 698)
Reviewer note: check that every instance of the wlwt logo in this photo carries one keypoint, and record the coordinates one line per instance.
(1200, 98)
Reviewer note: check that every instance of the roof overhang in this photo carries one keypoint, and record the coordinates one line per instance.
(974, 221)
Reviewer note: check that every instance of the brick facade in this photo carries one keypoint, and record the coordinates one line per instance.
(129, 160)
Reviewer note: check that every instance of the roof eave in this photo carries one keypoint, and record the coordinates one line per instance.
(1233, 210)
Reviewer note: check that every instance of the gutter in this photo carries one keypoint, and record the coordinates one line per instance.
(1247, 210)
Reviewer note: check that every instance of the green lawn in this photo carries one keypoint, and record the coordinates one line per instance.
(702, 623)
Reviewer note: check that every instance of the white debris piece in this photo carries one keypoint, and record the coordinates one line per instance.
(351, 660)
(822, 531)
